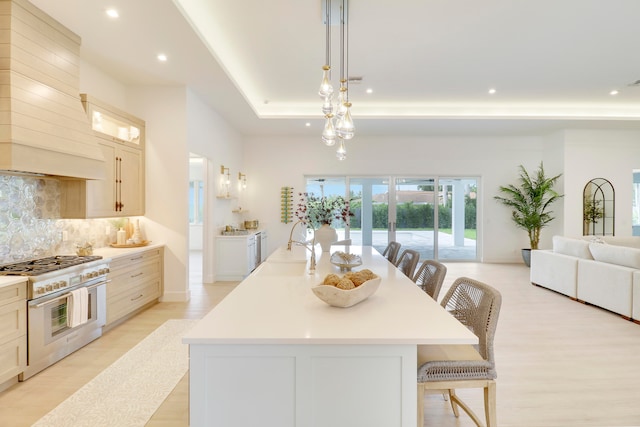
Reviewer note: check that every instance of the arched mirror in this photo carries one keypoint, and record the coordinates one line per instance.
(598, 208)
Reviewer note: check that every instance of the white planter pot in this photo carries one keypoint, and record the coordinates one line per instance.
(326, 235)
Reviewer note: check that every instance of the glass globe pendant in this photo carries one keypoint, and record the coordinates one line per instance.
(326, 88)
(341, 152)
(329, 131)
(345, 128)
(327, 106)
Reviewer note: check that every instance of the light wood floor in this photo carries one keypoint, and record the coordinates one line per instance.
(560, 363)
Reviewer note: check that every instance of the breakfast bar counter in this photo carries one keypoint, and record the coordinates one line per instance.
(273, 354)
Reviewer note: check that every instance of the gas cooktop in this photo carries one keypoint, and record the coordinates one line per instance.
(44, 265)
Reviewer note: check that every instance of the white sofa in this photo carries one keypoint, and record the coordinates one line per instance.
(602, 271)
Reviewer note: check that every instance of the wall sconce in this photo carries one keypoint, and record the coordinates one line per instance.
(225, 174)
(242, 177)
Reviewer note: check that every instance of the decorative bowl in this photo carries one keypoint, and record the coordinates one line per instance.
(345, 261)
(337, 297)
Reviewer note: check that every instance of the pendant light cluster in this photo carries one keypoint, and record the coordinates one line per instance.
(338, 127)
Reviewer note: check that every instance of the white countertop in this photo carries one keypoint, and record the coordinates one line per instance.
(11, 280)
(270, 309)
(251, 232)
(111, 252)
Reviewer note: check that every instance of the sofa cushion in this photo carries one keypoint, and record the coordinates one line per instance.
(629, 241)
(573, 247)
(613, 254)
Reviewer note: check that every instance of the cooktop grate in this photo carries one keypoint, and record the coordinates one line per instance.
(44, 265)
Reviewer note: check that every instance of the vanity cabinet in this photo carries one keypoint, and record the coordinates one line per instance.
(13, 330)
(236, 256)
(136, 281)
(122, 192)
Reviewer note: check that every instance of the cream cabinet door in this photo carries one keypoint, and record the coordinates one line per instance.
(131, 185)
(101, 194)
(121, 193)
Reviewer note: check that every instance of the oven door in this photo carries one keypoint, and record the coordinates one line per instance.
(49, 336)
(55, 314)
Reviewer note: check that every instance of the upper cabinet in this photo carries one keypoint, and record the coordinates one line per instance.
(112, 124)
(121, 138)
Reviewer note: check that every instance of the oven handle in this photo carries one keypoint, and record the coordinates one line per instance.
(95, 285)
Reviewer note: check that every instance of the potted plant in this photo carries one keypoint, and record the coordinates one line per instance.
(320, 213)
(592, 212)
(530, 201)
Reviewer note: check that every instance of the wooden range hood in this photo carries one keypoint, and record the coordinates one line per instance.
(44, 129)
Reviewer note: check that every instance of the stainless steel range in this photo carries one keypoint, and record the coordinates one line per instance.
(66, 305)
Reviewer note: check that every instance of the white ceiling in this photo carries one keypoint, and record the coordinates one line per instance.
(430, 63)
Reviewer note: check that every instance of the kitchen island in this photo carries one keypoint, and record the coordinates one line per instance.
(273, 354)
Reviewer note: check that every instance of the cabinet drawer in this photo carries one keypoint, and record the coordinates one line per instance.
(135, 258)
(131, 300)
(13, 293)
(130, 278)
(13, 320)
(13, 358)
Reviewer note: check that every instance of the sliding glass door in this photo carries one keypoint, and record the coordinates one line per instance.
(370, 204)
(457, 228)
(435, 216)
(413, 215)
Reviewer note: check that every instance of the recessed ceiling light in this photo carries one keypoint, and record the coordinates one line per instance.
(112, 13)
(614, 92)
(307, 124)
(492, 91)
(369, 90)
(162, 57)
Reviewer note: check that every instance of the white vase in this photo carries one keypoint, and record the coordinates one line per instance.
(326, 235)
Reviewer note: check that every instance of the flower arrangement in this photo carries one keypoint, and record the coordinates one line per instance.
(316, 211)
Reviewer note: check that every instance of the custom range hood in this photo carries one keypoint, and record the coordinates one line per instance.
(44, 129)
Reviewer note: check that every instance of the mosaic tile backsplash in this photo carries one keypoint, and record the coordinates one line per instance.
(30, 224)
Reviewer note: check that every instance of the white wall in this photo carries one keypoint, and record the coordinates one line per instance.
(612, 155)
(272, 163)
(102, 86)
(212, 138)
(167, 170)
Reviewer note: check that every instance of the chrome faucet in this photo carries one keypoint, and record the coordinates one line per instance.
(311, 246)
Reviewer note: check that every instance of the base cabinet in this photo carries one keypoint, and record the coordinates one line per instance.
(13, 330)
(236, 257)
(297, 385)
(136, 280)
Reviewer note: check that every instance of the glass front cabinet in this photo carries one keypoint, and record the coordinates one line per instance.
(121, 137)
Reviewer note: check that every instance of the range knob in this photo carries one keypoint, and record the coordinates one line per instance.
(56, 285)
(63, 283)
(39, 290)
(49, 287)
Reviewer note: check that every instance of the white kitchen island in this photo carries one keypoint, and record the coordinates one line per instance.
(272, 354)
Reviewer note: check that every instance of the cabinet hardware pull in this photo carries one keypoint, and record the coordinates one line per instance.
(138, 297)
(135, 259)
(136, 275)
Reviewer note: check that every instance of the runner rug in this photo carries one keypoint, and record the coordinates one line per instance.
(128, 392)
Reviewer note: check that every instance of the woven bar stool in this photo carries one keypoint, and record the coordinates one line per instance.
(449, 367)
